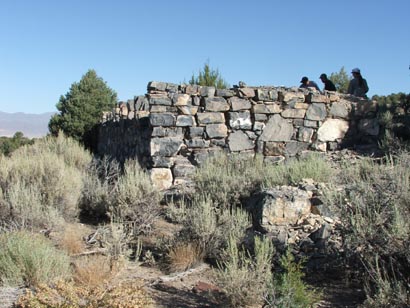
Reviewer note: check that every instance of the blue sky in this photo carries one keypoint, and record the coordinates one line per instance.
(48, 45)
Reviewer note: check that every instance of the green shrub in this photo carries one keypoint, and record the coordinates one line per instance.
(374, 211)
(243, 277)
(229, 178)
(58, 184)
(232, 178)
(312, 166)
(288, 290)
(210, 227)
(135, 199)
(28, 259)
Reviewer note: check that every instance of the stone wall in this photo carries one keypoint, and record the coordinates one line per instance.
(174, 128)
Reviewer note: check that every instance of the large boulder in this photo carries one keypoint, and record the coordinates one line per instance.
(278, 206)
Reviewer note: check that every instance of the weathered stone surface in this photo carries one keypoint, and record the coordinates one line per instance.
(162, 119)
(293, 113)
(159, 131)
(316, 112)
(305, 134)
(274, 149)
(301, 106)
(185, 120)
(258, 126)
(182, 168)
(218, 143)
(369, 126)
(262, 95)
(215, 104)
(240, 120)
(216, 130)
(197, 143)
(181, 99)
(200, 156)
(260, 117)
(293, 97)
(252, 135)
(156, 85)
(166, 101)
(293, 148)
(225, 92)
(332, 129)
(316, 97)
(207, 91)
(162, 162)
(161, 178)
(196, 132)
(239, 104)
(340, 110)
(172, 87)
(188, 110)
(267, 109)
(247, 92)
(309, 123)
(277, 129)
(210, 118)
(168, 146)
(273, 95)
(162, 109)
(239, 141)
(192, 89)
(282, 205)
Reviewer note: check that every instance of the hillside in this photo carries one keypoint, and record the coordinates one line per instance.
(31, 125)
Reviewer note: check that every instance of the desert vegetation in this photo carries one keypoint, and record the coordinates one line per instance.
(49, 187)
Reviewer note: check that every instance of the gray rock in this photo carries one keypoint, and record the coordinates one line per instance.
(239, 104)
(305, 134)
(262, 95)
(293, 148)
(225, 92)
(210, 118)
(166, 101)
(181, 99)
(340, 110)
(156, 85)
(293, 113)
(168, 146)
(316, 112)
(197, 143)
(280, 205)
(207, 91)
(239, 141)
(274, 149)
(162, 162)
(196, 132)
(277, 129)
(185, 120)
(162, 119)
(215, 104)
(216, 130)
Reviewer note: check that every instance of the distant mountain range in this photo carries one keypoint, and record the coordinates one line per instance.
(31, 125)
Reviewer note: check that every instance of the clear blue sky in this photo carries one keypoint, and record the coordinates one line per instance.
(47, 45)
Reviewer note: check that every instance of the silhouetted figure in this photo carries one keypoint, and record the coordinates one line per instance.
(329, 85)
(358, 85)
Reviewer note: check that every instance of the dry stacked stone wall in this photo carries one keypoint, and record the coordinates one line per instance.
(174, 128)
